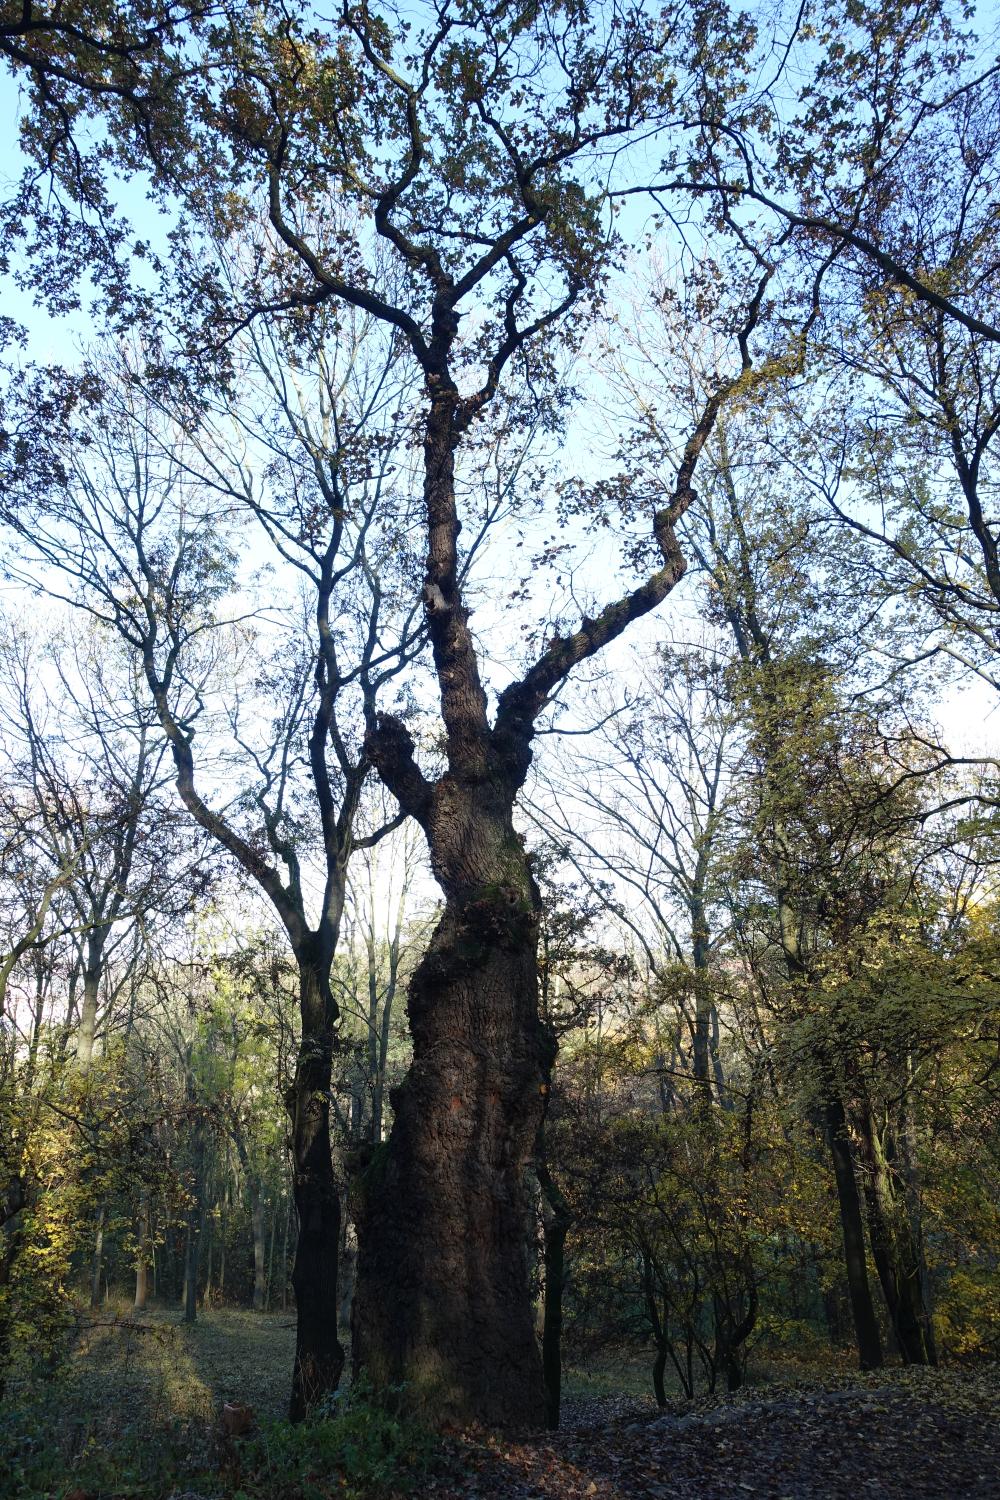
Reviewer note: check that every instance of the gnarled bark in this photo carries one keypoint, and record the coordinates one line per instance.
(442, 1301)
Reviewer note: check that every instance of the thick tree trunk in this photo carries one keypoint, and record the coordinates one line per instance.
(319, 1357)
(442, 1302)
(852, 1226)
(443, 1292)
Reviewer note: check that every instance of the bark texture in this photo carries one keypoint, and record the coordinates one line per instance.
(866, 1328)
(319, 1357)
(896, 1248)
(442, 1303)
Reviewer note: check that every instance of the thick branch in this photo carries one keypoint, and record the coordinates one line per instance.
(389, 746)
(522, 702)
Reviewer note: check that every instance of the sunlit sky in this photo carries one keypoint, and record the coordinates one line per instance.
(966, 713)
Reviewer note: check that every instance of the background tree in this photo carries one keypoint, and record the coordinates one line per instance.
(143, 528)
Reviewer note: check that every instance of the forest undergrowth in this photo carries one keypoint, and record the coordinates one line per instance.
(136, 1411)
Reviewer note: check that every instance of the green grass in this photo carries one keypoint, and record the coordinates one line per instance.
(134, 1412)
(155, 1365)
(625, 1374)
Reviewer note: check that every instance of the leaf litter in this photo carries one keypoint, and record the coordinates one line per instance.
(930, 1435)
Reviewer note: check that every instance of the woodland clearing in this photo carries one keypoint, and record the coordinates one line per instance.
(136, 1412)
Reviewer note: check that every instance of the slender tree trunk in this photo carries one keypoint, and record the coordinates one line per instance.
(378, 1083)
(259, 1247)
(832, 1315)
(189, 1299)
(852, 1226)
(701, 1058)
(348, 1273)
(913, 1207)
(442, 1303)
(142, 1256)
(659, 1369)
(87, 1033)
(269, 1280)
(897, 1258)
(556, 1221)
(97, 1264)
(658, 1318)
(319, 1357)
(833, 1121)
(195, 1221)
(284, 1256)
(141, 1285)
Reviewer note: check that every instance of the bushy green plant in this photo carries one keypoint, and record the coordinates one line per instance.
(353, 1445)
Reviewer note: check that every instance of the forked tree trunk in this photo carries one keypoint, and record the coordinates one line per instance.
(852, 1225)
(442, 1303)
(319, 1357)
(896, 1253)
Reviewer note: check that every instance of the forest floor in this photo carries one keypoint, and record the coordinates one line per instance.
(135, 1413)
(902, 1434)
